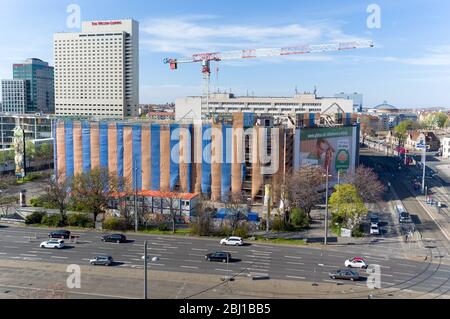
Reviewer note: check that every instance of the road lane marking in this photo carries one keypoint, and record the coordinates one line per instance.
(293, 257)
(189, 267)
(387, 275)
(11, 247)
(28, 255)
(129, 256)
(58, 257)
(294, 263)
(264, 257)
(193, 261)
(403, 273)
(296, 277)
(196, 255)
(406, 265)
(2, 253)
(155, 264)
(290, 269)
(199, 249)
(166, 239)
(256, 263)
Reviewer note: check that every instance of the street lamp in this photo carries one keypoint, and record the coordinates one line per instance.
(326, 203)
(145, 258)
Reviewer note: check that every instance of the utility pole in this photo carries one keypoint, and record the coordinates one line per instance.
(145, 269)
(135, 198)
(424, 166)
(326, 214)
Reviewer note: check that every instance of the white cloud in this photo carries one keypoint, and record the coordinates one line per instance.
(191, 34)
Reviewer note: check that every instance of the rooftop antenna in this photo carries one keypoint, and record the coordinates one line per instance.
(315, 89)
(296, 90)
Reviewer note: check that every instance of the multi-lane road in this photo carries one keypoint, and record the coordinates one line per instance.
(184, 254)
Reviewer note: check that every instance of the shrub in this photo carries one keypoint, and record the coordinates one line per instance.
(53, 221)
(299, 218)
(34, 218)
(114, 223)
(40, 202)
(358, 231)
(279, 224)
(164, 227)
(242, 230)
(80, 220)
(224, 230)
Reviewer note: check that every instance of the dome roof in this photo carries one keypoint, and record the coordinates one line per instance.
(386, 106)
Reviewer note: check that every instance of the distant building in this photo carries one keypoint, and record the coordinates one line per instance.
(15, 96)
(41, 84)
(357, 99)
(97, 70)
(195, 107)
(390, 116)
(35, 127)
(446, 147)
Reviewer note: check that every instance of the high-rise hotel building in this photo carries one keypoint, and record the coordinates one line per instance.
(97, 70)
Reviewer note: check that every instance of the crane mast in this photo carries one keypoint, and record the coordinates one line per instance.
(206, 58)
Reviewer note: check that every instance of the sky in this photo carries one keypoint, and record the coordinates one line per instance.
(408, 67)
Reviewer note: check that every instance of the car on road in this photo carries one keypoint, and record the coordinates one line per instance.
(374, 219)
(374, 229)
(232, 241)
(53, 243)
(356, 262)
(346, 274)
(63, 234)
(218, 256)
(114, 238)
(102, 260)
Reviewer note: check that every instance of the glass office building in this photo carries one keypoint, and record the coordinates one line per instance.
(40, 95)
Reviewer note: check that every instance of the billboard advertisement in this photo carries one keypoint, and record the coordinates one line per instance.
(335, 148)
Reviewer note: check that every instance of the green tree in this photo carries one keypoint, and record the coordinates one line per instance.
(402, 129)
(30, 150)
(347, 206)
(44, 153)
(440, 119)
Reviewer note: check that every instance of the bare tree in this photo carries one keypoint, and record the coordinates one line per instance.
(303, 188)
(367, 183)
(94, 190)
(203, 224)
(172, 203)
(236, 211)
(57, 193)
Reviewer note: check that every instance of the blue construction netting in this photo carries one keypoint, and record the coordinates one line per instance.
(104, 145)
(86, 146)
(206, 159)
(244, 172)
(155, 156)
(189, 157)
(226, 162)
(55, 149)
(137, 158)
(174, 155)
(69, 149)
(249, 120)
(120, 153)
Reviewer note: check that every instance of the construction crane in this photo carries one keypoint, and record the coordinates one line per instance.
(206, 58)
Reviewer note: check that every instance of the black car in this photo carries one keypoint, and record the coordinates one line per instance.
(63, 234)
(114, 238)
(218, 256)
(346, 274)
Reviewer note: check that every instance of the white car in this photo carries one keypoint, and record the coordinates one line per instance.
(232, 241)
(356, 262)
(374, 229)
(53, 243)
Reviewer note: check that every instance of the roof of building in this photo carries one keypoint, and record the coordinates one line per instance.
(386, 106)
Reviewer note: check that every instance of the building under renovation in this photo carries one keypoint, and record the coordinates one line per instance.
(236, 155)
